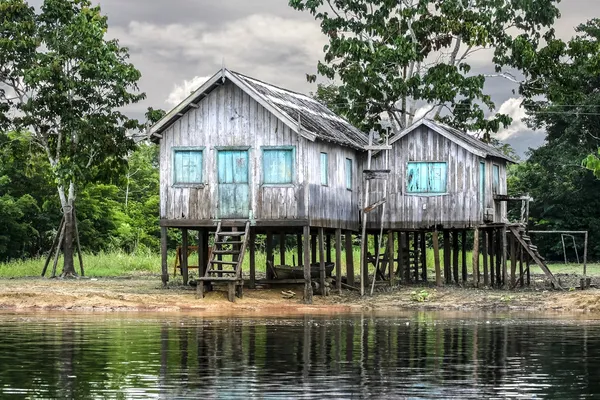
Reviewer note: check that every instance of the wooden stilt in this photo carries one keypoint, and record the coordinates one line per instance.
(423, 256)
(463, 253)
(252, 254)
(349, 259)
(328, 249)
(527, 266)
(282, 249)
(322, 262)
(79, 255)
(184, 255)
(499, 250)
(492, 253)
(513, 262)
(436, 258)
(505, 258)
(402, 267)
(300, 250)
(364, 273)
(163, 254)
(390, 257)
(269, 248)
(521, 252)
(54, 245)
(484, 254)
(313, 248)
(476, 257)
(416, 255)
(447, 258)
(455, 246)
(308, 295)
(338, 260)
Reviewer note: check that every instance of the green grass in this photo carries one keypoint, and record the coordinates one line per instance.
(116, 264)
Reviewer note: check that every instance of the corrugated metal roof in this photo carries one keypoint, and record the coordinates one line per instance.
(312, 115)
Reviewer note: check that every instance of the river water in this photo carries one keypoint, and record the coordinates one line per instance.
(423, 355)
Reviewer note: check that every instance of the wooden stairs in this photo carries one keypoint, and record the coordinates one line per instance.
(225, 263)
(525, 241)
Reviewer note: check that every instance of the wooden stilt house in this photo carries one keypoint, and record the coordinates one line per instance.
(240, 157)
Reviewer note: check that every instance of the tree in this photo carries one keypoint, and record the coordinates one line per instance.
(391, 56)
(67, 84)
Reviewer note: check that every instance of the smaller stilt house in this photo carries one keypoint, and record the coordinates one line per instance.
(240, 157)
(444, 180)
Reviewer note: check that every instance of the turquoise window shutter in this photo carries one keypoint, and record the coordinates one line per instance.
(324, 169)
(278, 166)
(426, 177)
(187, 166)
(348, 174)
(495, 179)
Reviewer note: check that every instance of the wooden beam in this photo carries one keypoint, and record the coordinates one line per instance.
(492, 252)
(416, 255)
(463, 252)
(505, 258)
(308, 295)
(423, 256)
(436, 258)
(390, 256)
(313, 249)
(252, 258)
(484, 254)
(184, 256)
(328, 248)
(300, 250)
(447, 257)
(282, 248)
(476, 257)
(269, 247)
(338, 259)
(401, 253)
(378, 147)
(322, 262)
(349, 258)
(455, 255)
(163, 254)
(373, 206)
(513, 261)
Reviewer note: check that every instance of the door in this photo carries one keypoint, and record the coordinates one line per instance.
(232, 166)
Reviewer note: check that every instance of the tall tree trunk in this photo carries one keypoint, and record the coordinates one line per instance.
(67, 201)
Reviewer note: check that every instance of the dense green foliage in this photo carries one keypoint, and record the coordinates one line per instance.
(391, 57)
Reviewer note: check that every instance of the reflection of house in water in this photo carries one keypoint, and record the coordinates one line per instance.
(240, 157)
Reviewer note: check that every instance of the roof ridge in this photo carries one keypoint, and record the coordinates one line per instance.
(276, 86)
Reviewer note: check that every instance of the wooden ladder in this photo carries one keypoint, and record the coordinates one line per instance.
(533, 252)
(230, 244)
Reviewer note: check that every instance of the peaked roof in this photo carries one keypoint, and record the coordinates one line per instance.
(461, 138)
(301, 113)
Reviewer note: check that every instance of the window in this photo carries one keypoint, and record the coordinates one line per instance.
(495, 179)
(278, 165)
(324, 169)
(348, 174)
(426, 177)
(187, 166)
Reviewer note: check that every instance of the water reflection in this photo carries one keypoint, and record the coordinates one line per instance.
(421, 356)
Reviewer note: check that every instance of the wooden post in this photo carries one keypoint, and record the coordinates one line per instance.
(401, 259)
(447, 257)
(163, 255)
(416, 255)
(328, 248)
(499, 249)
(513, 262)
(58, 246)
(455, 255)
(463, 254)
(322, 262)
(491, 253)
(78, 243)
(585, 246)
(423, 256)
(313, 248)
(364, 273)
(269, 246)
(436, 258)
(390, 256)
(528, 268)
(282, 249)
(308, 295)
(484, 253)
(476, 257)
(252, 258)
(184, 255)
(521, 251)
(349, 259)
(300, 251)
(504, 257)
(338, 260)
(54, 244)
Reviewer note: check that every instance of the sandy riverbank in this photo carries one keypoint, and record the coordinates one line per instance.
(147, 294)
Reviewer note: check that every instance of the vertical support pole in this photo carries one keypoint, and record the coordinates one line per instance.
(269, 247)
(163, 255)
(184, 255)
(491, 253)
(513, 262)
(78, 243)
(401, 253)
(252, 258)
(476, 257)
(282, 248)
(423, 257)
(322, 262)
(521, 251)
(585, 246)
(504, 257)
(338, 260)
(528, 267)
(313, 249)
(416, 255)
(455, 255)
(436, 258)
(390, 256)
(499, 250)
(364, 272)
(300, 252)
(349, 259)
(328, 248)
(308, 295)
(447, 257)
(484, 254)
(200, 250)
(463, 253)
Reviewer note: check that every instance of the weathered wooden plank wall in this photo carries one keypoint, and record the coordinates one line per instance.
(228, 117)
(458, 208)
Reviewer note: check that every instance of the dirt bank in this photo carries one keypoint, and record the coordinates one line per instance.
(147, 294)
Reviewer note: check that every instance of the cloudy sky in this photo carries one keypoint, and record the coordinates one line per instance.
(178, 43)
